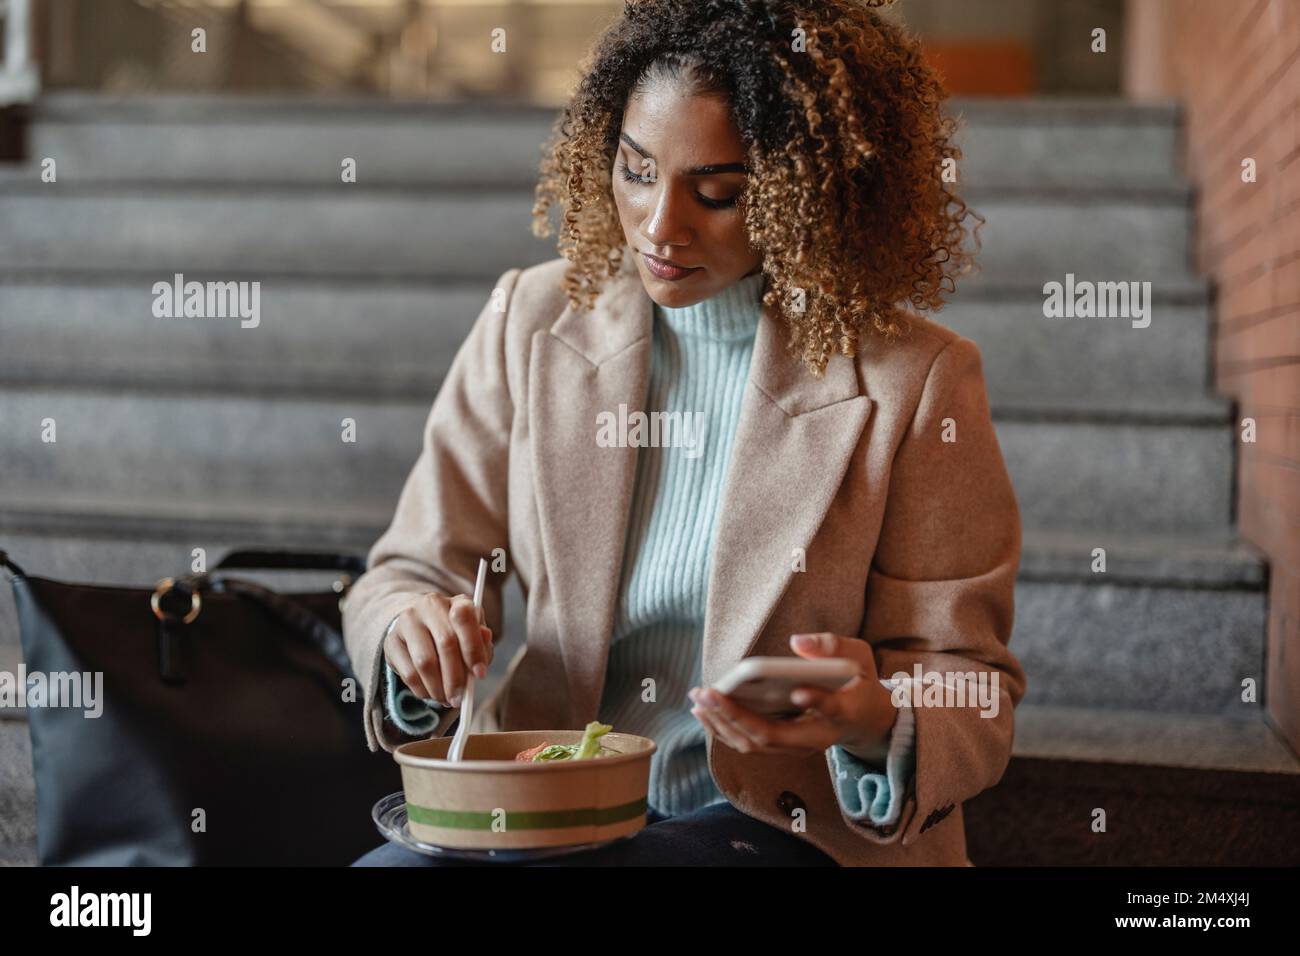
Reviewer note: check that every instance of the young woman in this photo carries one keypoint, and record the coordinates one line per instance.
(752, 194)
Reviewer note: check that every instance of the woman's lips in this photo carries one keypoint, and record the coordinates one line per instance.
(664, 270)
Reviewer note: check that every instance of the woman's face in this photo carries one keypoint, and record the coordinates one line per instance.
(677, 173)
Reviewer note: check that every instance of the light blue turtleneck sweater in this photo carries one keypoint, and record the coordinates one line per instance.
(699, 364)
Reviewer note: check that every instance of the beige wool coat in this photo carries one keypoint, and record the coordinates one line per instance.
(909, 541)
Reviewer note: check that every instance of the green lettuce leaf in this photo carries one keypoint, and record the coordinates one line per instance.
(589, 747)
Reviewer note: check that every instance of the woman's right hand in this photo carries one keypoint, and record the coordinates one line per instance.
(436, 643)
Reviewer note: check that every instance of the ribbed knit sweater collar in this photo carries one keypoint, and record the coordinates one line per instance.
(732, 314)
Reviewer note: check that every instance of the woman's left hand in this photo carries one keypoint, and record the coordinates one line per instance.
(859, 716)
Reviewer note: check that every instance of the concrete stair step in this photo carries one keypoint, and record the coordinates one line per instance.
(1137, 470)
(1213, 561)
(1117, 237)
(184, 447)
(456, 233)
(1245, 742)
(1068, 142)
(270, 139)
(465, 233)
(166, 528)
(1179, 288)
(1121, 470)
(395, 337)
(169, 138)
(359, 337)
(17, 790)
(1184, 410)
(1174, 624)
(1029, 358)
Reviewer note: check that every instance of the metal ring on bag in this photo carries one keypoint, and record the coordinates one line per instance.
(166, 585)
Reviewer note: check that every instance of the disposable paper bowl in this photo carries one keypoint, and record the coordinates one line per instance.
(489, 800)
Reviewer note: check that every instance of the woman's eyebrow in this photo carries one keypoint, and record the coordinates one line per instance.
(712, 169)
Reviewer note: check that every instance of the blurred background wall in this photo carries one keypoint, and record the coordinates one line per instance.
(431, 48)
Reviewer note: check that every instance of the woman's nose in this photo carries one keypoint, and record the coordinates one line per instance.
(666, 225)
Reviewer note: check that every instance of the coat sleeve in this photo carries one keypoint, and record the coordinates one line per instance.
(451, 511)
(941, 594)
(871, 793)
(413, 716)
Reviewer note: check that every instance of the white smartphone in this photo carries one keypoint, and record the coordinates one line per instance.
(764, 684)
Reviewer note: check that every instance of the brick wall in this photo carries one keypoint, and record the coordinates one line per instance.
(1236, 69)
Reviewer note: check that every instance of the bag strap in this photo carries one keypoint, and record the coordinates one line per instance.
(298, 618)
(173, 626)
(251, 559)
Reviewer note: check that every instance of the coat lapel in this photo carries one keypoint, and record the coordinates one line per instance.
(793, 443)
(588, 362)
(794, 440)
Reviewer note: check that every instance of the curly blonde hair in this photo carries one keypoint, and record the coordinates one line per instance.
(846, 145)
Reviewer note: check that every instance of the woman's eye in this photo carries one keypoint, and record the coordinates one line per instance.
(631, 176)
(717, 203)
(708, 201)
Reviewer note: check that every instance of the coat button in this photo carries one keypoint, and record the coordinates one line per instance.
(789, 801)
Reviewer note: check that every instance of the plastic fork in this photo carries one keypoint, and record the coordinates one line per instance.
(457, 750)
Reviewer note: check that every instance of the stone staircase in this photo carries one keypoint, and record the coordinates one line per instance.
(181, 433)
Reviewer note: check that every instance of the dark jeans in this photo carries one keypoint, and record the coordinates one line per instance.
(719, 835)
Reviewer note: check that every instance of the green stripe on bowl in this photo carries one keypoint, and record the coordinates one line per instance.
(526, 819)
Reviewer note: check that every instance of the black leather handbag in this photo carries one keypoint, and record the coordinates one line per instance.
(229, 731)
